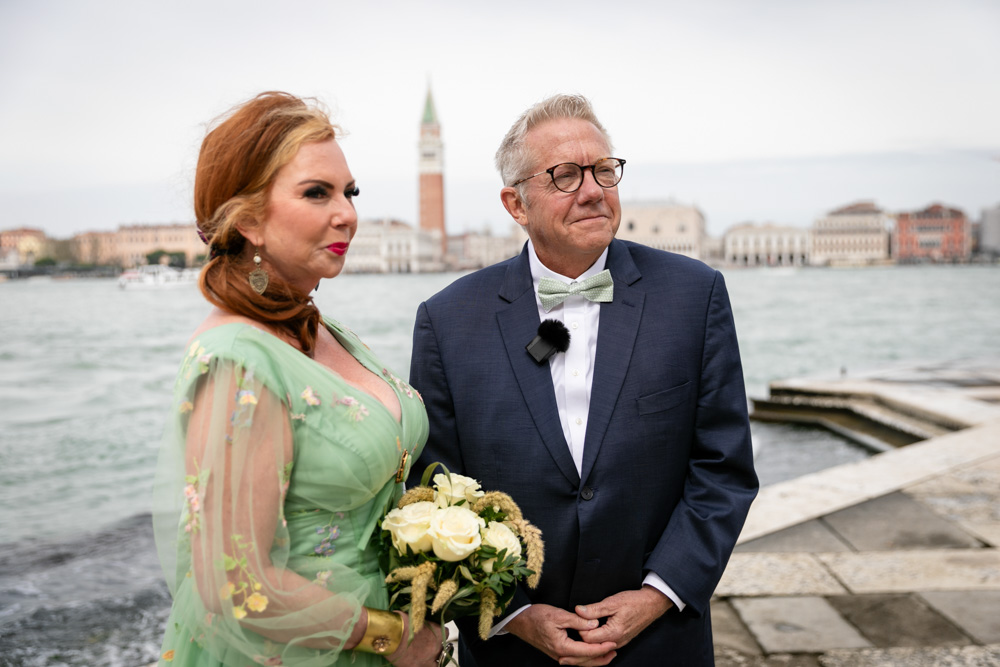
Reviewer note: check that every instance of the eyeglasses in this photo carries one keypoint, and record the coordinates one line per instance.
(568, 176)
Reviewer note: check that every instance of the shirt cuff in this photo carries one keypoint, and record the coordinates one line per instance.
(654, 580)
(498, 629)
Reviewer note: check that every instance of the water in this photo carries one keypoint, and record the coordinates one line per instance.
(86, 372)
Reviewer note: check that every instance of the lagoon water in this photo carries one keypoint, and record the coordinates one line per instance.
(86, 372)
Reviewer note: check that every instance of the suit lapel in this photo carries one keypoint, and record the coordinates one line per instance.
(615, 342)
(518, 324)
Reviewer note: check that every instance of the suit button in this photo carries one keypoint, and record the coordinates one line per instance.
(587, 493)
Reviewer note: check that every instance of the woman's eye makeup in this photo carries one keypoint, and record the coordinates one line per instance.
(352, 192)
(315, 192)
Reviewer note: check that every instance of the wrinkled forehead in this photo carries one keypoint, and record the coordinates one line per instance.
(565, 140)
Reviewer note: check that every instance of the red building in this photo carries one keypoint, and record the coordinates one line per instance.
(936, 234)
(431, 168)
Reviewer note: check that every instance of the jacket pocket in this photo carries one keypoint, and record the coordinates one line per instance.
(664, 400)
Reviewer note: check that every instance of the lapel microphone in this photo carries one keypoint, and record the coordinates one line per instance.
(553, 336)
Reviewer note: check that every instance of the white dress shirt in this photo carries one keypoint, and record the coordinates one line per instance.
(573, 377)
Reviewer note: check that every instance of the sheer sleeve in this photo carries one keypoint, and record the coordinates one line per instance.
(222, 534)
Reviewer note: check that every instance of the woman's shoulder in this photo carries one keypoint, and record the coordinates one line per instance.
(228, 335)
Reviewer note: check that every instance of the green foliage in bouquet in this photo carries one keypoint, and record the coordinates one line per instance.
(453, 550)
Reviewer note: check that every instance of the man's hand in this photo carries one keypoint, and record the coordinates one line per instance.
(544, 627)
(628, 613)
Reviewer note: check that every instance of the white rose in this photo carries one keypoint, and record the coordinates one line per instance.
(456, 489)
(500, 537)
(408, 526)
(454, 533)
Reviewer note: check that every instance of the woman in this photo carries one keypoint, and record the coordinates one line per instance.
(289, 440)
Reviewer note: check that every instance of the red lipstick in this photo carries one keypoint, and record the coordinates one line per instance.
(337, 248)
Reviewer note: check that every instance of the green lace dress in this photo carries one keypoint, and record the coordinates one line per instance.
(271, 478)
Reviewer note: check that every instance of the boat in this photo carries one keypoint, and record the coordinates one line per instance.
(156, 276)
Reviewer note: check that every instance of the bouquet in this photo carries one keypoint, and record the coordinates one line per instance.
(454, 550)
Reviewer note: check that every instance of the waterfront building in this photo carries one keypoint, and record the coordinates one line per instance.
(857, 234)
(989, 232)
(135, 242)
(392, 246)
(9, 260)
(935, 234)
(431, 170)
(96, 248)
(767, 245)
(665, 225)
(475, 250)
(130, 245)
(24, 245)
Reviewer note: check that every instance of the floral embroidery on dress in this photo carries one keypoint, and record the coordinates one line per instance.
(400, 385)
(168, 656)
(197, 354)
(322, 577)
(245, 400)
(356, 410)
(193, 493)
(310, 397)
(247, 590)
(185, 407)
(330, 533)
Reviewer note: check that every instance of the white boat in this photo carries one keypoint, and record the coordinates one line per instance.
(156, 276)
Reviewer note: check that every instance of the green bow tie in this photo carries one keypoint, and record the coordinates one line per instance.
(598, 288)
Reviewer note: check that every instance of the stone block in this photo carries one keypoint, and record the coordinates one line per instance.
(916, 571)
(964, 656)
(897, 620)
(729, 632)
(750, 574)
(811, 537)
(975, 612)
(797, 625)
(896, 521)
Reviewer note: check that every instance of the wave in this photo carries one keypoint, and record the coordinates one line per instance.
(92, 599)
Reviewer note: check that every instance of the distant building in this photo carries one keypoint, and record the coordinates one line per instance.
(475, 250)
(391, 246)
(431, 169)
(24, 245)
(766, 245)
(97, 248)
(935, 234)
(857, 234)
(664, 225)
(130, 245)
(136, 241)
(989, 231)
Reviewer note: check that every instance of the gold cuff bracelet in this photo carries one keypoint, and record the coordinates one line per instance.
(383, 634)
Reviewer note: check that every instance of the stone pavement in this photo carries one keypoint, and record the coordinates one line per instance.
(894, 560)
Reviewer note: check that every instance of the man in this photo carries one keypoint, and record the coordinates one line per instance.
(631, 449)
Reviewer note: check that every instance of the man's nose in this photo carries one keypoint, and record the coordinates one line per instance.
(589, 189)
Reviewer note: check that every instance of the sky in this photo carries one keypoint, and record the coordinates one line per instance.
(754, 111)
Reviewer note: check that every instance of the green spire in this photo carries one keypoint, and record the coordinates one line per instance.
(430, 115)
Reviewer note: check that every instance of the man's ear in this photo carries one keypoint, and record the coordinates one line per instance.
(515, 205)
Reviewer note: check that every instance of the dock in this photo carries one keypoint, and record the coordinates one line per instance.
(893, 560)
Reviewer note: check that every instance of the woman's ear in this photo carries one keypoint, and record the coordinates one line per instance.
(251, 231)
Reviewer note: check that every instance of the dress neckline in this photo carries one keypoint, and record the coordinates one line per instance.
(351, 347)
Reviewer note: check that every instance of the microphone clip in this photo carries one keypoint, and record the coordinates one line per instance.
(553, 336)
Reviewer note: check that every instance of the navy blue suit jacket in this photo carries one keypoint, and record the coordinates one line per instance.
(667, 474)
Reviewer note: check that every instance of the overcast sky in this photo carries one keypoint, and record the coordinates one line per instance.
(753, 110)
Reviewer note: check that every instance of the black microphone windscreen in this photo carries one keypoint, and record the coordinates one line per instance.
(556, 333)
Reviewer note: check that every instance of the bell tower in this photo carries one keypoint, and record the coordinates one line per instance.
(431, 169)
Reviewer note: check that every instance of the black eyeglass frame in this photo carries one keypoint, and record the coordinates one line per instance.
(583, 172)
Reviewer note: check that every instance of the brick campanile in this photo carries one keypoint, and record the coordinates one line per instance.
(431, 169)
